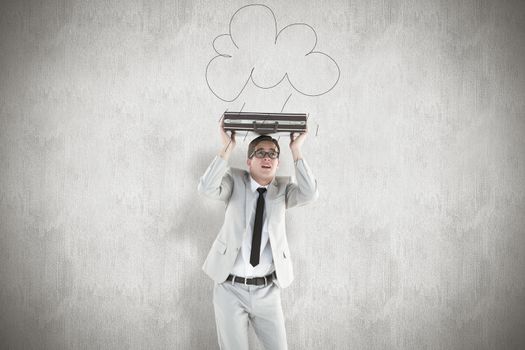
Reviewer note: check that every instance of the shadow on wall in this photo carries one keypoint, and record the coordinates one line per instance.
(197, 222)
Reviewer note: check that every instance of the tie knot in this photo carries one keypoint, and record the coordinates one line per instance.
(261, 190)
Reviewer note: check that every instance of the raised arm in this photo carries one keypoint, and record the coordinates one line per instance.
(217, 181)
(228, 141)
(305, 189)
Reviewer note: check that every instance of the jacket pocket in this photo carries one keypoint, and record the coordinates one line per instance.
(220, 246)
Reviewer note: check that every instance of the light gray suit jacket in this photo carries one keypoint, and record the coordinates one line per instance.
(231, 185)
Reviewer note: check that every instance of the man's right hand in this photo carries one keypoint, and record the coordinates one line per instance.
(228, 141)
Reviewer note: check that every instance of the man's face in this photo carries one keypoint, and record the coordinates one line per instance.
(263, 169)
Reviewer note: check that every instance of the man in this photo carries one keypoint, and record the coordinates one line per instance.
(250, 259)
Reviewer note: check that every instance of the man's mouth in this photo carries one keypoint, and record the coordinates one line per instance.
(267, 166)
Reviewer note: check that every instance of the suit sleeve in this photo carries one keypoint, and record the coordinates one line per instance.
(304, 190)
(217, 181)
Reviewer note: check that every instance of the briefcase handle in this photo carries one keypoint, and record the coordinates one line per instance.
(265, 127)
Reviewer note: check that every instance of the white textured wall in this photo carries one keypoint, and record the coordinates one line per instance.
(106, 123)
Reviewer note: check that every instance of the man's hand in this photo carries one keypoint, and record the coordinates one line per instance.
(296, 143)
(228, 141)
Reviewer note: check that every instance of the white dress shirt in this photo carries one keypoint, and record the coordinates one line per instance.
(242, 266)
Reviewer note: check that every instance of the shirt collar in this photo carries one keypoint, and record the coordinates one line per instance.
(254, 185)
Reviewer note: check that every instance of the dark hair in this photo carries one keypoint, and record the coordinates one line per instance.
(259, 139)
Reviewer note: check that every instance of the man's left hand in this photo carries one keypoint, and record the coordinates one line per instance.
(296, 143)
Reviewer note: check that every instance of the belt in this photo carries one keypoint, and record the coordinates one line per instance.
(256, 281)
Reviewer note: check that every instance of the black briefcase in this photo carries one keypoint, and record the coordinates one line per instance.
(265, 123)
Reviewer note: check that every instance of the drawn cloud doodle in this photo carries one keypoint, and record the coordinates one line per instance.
(255, 51)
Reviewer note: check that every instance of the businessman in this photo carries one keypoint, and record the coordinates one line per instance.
(249, 260)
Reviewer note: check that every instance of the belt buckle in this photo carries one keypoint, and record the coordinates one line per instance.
(265, 281)
(245, 281)
(233, 279)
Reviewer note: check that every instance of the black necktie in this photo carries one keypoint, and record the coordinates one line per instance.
(257, 228)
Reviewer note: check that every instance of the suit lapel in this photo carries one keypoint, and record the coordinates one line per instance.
(272, 191)
(270, 196)
(247, 197)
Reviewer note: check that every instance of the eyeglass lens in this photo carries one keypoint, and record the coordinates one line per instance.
(261, 154)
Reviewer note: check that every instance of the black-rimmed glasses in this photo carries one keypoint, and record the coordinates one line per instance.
(260, 153)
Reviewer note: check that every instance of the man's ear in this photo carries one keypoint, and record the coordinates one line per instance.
(249, 162)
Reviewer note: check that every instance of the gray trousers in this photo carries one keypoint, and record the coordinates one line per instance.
(238, 305)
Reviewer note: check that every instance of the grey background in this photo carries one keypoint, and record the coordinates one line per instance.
(417, 240)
